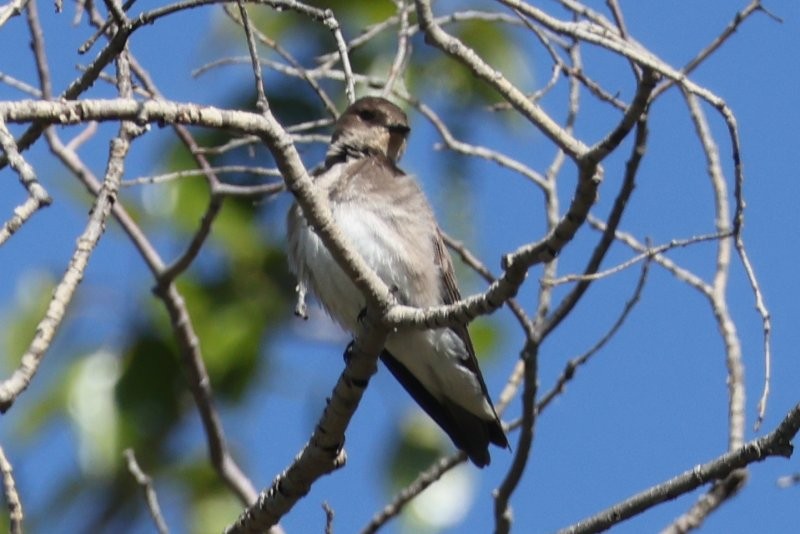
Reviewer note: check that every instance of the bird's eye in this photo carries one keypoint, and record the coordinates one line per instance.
(366, 115)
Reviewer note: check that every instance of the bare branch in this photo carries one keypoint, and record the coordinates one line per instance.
(733, 350)
(15, 514)
(149, 492)
(564, 38)
(631, 169)
(473, 262)
(22, 213)
(716, 43)
(720, 492)
(328, 518)
(402, 49)
(478, 151)
(312, 82)
(200, 386)
(616, 11)
(38, 195)
(261, 102)
(648, 254)
(77, 87)
(682, 274)
(63, 293)
(20, 85)
(517, 264)
(188, 344)
(424, 480)
(502, 510)
(177, 175)
(766, 322)
(776, 443)
(575, 363)
(316, 211)
(454, 47)
(323, 453)
(12, 9)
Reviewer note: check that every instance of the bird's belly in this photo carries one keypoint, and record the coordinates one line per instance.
(375, 241)
(337, 294)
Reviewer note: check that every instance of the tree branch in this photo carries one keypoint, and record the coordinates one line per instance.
(776, 443)
(15, 514)
(149, 492)
(324, 451)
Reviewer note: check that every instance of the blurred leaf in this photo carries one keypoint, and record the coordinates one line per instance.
(93, 411)
(486, 335)
(214, 512)
(419, 443)
(494, 43)
(149, 392)
(42, 410)
(33, 293)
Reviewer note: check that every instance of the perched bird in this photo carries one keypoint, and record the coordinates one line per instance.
(386, 218)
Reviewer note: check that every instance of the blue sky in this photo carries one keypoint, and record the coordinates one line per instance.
(650, 406)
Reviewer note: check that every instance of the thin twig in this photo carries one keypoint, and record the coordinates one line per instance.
(149, 492)
(330, 107)
(776, 443)
(523, 449)
(261, 101)
(684, 275)
(458, 50)
(324, 451)
(601, 249)
(46, 330)
(724, 489)
(423, 480)
(38, 196)
(475, 150)
(188, 344)
(20, 85)
(62, 295)
(720, 492)
(718, 300)
(83, 136)
(15, 514)
(479, 267)
(402, 49)
(176, 175)
(575, 363)
(717, 42)
(38, 48)
(78, 86)
(648, 254)
(328, 517)
(22, 213)
(616, 12)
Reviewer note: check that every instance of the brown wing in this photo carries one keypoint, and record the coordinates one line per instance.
(450, 294)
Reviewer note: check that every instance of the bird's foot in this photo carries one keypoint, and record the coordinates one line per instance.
(395, 291)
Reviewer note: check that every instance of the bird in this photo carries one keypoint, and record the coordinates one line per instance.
(386, 217)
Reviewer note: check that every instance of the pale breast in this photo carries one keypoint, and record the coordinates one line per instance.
(391, 227)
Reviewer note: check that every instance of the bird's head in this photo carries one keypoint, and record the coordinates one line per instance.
(371, 125)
